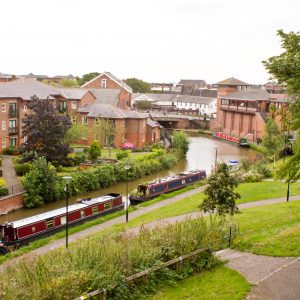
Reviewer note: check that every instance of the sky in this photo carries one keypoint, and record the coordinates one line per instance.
(157, 40)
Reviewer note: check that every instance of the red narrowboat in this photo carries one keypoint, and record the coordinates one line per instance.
(22, 231)
(235, 140)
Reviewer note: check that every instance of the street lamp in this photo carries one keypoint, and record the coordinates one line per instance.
(216, 158)
(127, 167)
(67, 179)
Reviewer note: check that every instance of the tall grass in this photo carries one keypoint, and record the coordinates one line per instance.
(100, 262)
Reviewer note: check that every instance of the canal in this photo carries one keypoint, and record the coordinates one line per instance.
(201, 155)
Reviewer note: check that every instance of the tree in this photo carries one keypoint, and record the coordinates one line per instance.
(76, 132)
(66, 82)
(143, 104)
(273, 139)
(94, 151)
(220, 193)
(87, 77)
(45, 130)
(180, 143)
(138, 86)
(41, 184)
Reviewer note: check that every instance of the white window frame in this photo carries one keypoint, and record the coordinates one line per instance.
(74, 120)
(104, 83)
(4, 143)
(84, 120)
(3, 125)
(25, 107)
(3, 107)
(74, 105)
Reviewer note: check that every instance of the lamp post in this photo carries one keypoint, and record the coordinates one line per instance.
(216, 158)
(127, 167)
(67, 179)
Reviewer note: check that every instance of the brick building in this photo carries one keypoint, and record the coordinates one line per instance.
(108, 81)
(242, 111)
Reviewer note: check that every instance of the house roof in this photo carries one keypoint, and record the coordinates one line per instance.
(152, 123)
(114, 78)
(102, 110)
(27, 88)
(231, 81)
(73, 93)
(192, 82)
(192, 99)
(108, 96)
(151, 96)
(253, 94)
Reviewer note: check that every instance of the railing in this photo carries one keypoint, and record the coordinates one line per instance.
(178, 262)
(13, 130)
(12, 112)
(239, 108)
(15, 189)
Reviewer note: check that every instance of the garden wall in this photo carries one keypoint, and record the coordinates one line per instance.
(11, 202)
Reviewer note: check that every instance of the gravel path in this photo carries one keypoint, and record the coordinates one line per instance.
(9, 173)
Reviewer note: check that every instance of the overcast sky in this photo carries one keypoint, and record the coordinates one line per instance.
(155, 40)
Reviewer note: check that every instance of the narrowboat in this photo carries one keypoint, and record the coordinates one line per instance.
(235, 140)
(17, 233)
(164, 185)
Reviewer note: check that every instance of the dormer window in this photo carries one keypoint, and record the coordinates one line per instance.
(103, 83)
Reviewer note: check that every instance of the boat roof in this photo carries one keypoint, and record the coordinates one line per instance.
(60, 211)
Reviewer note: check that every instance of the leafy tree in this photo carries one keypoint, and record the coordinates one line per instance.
(220, 193)
(138, 86)
(45, 130)
(94, 151)
(66, 82)
(76, 132)
(41, 184)
(143, 104)
(273, 139)
(87, 77)
(180, 143)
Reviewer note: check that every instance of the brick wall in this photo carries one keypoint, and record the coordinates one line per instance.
(10, 203)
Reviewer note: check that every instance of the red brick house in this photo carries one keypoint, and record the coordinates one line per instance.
(107, 80)
(242, 111)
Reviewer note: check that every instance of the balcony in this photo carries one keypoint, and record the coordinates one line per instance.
(13, 130)
(240, 109)
(12, 112)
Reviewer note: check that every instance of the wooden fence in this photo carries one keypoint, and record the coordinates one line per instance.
(102, 293)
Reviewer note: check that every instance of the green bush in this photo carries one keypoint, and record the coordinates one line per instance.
(0, 161)
(11, 150)
(79, 157)
(122, 154)
(66, 169)
(168, 161)
(180, 143)
(262, 168)
(22, 169)
(252, 177)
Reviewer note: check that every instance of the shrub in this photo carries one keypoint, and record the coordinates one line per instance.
(252, 177)
(11, 150)
(3, 188)
(122, 154)
(262, 169)
(79, 157)
(168, 161)
(245, 163)
(94, 151)
(180, 143)
(22, 169)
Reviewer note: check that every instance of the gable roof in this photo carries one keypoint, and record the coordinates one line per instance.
(73, 93)
(27, 88)
(232, 81)
(192, 82)
(102, 110)
(151, 97)
(108, 96)
(253, 94)
(192, 99)
(114, 78)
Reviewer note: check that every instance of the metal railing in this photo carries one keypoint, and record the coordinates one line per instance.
(14, 189)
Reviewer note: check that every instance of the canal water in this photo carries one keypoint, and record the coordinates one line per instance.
(201, 155)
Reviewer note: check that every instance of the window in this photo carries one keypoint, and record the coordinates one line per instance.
(13, 142)
(74, 119)
(97, 122)
(3, 107)
(84, 120)
(24, 139)
(82, 214)
(12, 109)
(103, 83)
(107, 205)
(25, 107)
(63, 220)
(3, 125)
(62, 106)
(95, 210)
(3, 143)
(74, 104)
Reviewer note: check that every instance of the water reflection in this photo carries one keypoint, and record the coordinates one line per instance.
(200, 156)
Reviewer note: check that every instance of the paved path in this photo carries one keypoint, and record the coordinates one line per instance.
(9, 173)
(275, 278)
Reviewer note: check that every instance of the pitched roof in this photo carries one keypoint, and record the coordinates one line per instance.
(231, 81)
(73, 93)
(27, 88)
(192, 99)
(108, 96)
(152, 96)
(114, 78)
(192, 82)
(153, 123)
(102, 110)
(253, 94)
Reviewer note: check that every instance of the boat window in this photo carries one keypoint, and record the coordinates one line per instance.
(63, 220)
(107, 205)
(95, 209)
(82, 213)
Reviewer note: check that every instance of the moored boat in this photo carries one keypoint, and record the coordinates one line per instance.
(235, 140)
(22, 231)
(164, 185)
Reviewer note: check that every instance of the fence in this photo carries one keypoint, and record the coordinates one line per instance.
(102, 293)
(15, 189)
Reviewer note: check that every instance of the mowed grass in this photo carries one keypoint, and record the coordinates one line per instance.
(270, 230)
(219, 283)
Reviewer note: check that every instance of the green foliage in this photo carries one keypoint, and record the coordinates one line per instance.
(22, 169)
(79, 157)
(122, 154)
(245, 163)
(3, 188)
(94, 151)
(102, 261)
(168, 161)
(252, 177)
(87, 77)
(66, 82)
(41, 184)
(10, 150)
(76, 132)
(262, 169)
(143, 105)
(138, 86)
(220, 193)
(180, 143)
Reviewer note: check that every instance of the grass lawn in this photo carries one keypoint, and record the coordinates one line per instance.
(219, 283)
(270, 230)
